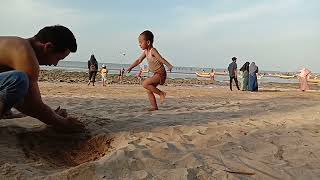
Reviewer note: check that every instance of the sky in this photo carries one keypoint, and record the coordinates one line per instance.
(280, 35)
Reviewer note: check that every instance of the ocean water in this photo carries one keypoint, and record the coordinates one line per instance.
(177, 72)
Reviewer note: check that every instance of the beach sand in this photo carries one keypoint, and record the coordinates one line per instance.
(205, 132)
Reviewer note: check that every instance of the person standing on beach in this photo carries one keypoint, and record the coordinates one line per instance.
(104, 72)
(122, 73)
(245, 76)
(155, 61)
(303, 78)
(253, 80)
(139, 75)
(19, 72)
(232, 68)
(212, 75)
(93, 69)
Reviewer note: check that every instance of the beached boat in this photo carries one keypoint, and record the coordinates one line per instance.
(204, 74)
(316, 81)
(260, 76)
(286, 76)
(220, 73)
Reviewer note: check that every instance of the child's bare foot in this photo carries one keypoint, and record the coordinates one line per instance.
(152, 109)
(162, 97)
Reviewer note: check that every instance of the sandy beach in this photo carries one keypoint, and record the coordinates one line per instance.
(200, 132)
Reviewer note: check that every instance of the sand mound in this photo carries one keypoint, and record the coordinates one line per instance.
(63, 149)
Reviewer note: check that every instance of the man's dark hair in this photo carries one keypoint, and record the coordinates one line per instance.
(61, 37)
(234, 58)
(148, 35)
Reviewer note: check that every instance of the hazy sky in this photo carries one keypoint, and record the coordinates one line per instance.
(276, 34)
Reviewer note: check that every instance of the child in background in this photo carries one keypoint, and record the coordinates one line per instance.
(104, 72)
(119, 75)
(122, 73)
(212, 75)
(139, 75)
(303, 78)
(155, 61)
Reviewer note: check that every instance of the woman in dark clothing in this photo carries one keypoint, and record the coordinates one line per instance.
(245, 76)
(253, 82)
(93, 69)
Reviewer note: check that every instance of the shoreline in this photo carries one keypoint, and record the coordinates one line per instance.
(82, 77)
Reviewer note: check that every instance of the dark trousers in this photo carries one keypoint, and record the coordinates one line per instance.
(92, 76)
(236, 81)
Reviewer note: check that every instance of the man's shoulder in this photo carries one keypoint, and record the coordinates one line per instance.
(19, 55)
(231, 64)
(16, 45)
(15, 49)
(13, 41)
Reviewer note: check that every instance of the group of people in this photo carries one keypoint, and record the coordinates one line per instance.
(248, 72)
(19, 72)
(93, 70)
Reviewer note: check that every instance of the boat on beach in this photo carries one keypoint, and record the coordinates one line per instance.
(286, 76)
(315, 81)
(205, 74)
(221, 73)
(260, 76)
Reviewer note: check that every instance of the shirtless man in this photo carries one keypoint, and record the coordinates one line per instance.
(19, 72)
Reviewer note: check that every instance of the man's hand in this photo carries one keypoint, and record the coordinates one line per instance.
(61, 112)
(74, 124)
(67, 123)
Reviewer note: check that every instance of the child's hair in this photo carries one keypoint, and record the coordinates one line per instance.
(148, 35)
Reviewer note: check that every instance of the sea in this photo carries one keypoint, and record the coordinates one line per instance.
(177, 72)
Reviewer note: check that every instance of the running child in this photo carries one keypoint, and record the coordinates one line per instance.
(156, 65)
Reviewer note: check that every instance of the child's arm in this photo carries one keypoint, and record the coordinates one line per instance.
(137, 62)
(156, 54)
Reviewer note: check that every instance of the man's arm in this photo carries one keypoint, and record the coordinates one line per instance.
(34, 107)
(25, 60)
